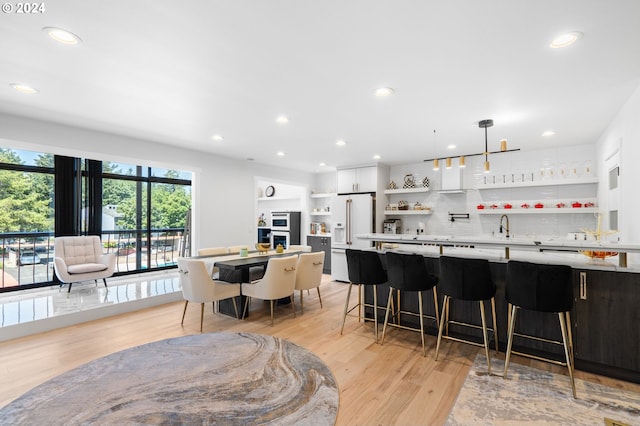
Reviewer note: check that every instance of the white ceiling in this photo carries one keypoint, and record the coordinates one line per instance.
(178, 72)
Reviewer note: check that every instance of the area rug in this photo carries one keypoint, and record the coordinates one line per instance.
(538, 397)
(217, 378)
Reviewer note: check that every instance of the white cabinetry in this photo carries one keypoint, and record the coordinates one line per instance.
(362, 179)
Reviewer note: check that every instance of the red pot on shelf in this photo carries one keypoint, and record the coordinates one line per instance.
(508, 206)
(480, 206)
(576, 205)
(538, 205)
(561, 205)
(525, 206)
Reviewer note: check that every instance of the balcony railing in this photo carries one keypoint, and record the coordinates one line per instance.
(26, 258)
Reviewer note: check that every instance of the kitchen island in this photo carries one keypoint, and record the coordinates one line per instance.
(606, 315)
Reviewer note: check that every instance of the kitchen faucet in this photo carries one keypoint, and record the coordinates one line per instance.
(506, 228)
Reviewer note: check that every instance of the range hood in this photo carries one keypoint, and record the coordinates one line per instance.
(451, 180)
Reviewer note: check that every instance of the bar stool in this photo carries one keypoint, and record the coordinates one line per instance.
(365, 269)
(467, 279)
(541, 288)
(408, 272)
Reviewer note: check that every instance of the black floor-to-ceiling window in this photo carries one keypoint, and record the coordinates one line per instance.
(139, 212)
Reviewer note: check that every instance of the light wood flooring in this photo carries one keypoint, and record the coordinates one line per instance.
(389, 384)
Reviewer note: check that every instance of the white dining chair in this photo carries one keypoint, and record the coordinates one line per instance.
(213, 251)
(199, 287)
(298, 247)
(278, 282)
(309, 274)
(236, 249)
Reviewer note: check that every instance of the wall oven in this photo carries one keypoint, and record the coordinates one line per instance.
(280, 237)
(285, 228)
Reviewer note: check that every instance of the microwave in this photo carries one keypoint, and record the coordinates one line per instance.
(280, 221)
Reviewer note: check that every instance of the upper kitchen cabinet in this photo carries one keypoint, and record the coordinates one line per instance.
(361, 179)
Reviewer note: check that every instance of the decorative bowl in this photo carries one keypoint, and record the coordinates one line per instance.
(596, 254)
(263, 247)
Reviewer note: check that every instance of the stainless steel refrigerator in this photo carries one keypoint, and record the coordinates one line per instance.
(351, 215)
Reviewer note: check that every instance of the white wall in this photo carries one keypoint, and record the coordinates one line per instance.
(624, 132)
(223, 188)
(507, 166)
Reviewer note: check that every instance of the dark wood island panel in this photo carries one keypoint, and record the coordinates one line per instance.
(605, 324)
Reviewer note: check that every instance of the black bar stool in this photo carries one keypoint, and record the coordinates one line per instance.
(408, 272)
(541, 288)
(467, 279)
(365, 269)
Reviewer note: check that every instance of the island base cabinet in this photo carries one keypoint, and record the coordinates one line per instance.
(607, 321)
(319, 243)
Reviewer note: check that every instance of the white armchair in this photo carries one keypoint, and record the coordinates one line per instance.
(80, 259)
(278, 282)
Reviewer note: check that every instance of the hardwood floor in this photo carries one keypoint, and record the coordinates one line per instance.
(389, 384)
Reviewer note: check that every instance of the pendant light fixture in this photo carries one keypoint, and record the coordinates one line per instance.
(484, 124)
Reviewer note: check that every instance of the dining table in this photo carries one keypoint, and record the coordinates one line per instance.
(235, 268)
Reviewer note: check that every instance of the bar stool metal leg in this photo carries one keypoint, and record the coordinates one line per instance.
(375, 310)
(495, 323)
(567, 344)
(346, 308)
(442, 321)
(424, 351)
(386, 315)
(512, 325)
(484, 335)
(435, 304)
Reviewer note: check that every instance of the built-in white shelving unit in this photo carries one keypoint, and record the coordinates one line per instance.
(555, 182)
(277, 198)
(546, 210)
(406, 190)
(407, 212)
(323, 195)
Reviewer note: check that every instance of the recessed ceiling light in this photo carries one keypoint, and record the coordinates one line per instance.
(565, 40)
(282, 119)
(280, 154)
(323, 164)
(384, 91)
(341, 142)
(24, 88)
(548, 133)
(62, 36)
(376, 157)
(217, 138)
(451, 146)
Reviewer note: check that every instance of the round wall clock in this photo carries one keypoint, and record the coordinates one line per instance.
(270, 191)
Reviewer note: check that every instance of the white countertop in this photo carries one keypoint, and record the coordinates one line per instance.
(547, 251)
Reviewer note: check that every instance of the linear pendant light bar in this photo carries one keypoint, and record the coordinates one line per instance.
(473, 155)
(483, 124)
